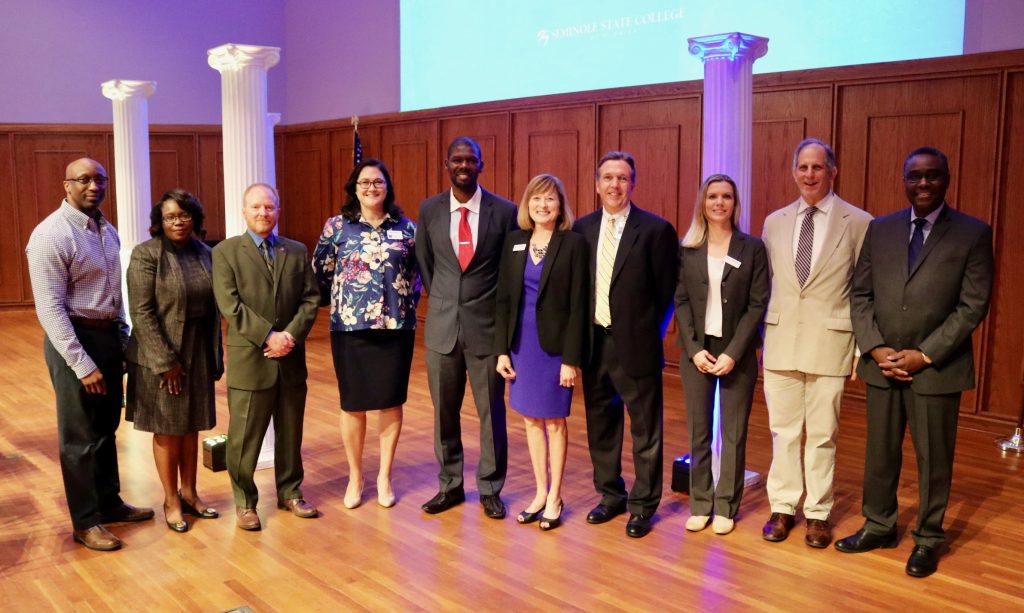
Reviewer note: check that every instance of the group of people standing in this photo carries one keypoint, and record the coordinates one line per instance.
(529, 295)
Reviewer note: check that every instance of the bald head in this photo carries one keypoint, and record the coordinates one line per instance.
(85, 185)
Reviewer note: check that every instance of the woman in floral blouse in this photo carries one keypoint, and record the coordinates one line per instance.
(366, 258)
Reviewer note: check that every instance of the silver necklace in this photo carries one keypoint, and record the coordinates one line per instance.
(539, 252)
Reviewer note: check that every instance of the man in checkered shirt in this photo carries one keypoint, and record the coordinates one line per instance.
(75, 266)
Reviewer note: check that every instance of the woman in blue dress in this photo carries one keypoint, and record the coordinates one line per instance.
(366, 261)
(541, 330)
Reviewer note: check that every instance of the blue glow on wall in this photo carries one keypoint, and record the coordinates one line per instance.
(465, 52)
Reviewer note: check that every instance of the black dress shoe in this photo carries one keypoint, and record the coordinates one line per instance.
(605, 512)
(190, 509)
(923, 561)
(866, 541)
(638, 526)
(444, 501)
(493, 506)
(125, 512)
(550, 523)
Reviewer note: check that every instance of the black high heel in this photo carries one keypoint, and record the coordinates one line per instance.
(528, 517)
(181, 526)
(550, 523)
(207, 513)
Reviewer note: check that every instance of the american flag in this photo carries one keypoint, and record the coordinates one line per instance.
(357, 149)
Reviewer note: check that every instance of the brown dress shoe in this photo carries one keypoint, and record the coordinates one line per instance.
(97, 537)
(298, 507)
(777, 527)
(819, 533)
(248, 519)
(125, 512)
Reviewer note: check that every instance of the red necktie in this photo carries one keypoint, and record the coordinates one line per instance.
(465, 239)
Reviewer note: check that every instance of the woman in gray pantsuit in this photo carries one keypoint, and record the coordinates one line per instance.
(174, 353)
(720, 300)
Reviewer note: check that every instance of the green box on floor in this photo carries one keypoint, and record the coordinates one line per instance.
(215, 452)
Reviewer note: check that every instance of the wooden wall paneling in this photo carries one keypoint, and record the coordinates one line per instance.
(12, 252)
(560, 142)
(663, 136)
(782, 118)
(305, 186)
(39, 163)
(493, 134)
(174, 162)
(1003, 379)
(411, 152)
(882, 122)
(210, 183)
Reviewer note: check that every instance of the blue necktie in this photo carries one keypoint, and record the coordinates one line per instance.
(916, 243)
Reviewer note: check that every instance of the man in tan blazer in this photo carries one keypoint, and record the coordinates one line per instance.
(265, 291)
(813, 246)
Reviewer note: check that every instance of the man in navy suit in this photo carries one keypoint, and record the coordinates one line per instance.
(458, 246)
(921, 286)
(634, 257)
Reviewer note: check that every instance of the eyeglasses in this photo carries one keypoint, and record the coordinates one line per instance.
(367, 183)
(84, 181)
(932, 176)
(173, 219)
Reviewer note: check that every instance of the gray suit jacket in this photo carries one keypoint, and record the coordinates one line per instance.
(808, 329)
(254, 303)
(934, 307)
(456, 298)
(157, 302)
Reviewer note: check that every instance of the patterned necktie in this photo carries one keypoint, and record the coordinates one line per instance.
(267, 258)
(605, 266)
(465, 239)
(916, 243)
(805, 246)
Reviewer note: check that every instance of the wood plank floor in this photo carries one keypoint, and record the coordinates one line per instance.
(372, 558)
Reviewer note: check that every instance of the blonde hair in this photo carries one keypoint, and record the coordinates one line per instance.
(542, 184)
(697, 234)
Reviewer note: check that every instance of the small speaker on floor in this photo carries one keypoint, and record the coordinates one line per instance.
(681, 474)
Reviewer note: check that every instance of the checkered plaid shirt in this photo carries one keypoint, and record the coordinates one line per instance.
(74, 263)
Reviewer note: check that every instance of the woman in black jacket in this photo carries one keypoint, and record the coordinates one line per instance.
(540, 332)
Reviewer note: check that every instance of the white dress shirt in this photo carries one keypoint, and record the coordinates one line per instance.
(474, 217)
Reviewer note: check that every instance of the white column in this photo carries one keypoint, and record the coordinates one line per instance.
(728, 107)
(247, 147)
(248, 133)
(131, 163)
(727, 143)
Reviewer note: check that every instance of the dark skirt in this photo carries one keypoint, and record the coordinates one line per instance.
(155, 410)
(372, 367)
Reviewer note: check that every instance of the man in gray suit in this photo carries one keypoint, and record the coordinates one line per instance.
(458, 246)
(265, 291)
(921, 286)
(808, 340)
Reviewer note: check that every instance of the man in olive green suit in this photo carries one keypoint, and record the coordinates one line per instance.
(266, 292)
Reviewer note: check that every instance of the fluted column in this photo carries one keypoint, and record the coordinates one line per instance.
(728, 107)
(248, 150)
(131, 164)
(727, 145)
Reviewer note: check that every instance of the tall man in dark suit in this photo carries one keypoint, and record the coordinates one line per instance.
(458, 246)
(921, 287)
(634, 263)
(265, 291)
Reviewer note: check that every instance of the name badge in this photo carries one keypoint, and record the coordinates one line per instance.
(519, 247)
(731, 261)
(395, 235)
